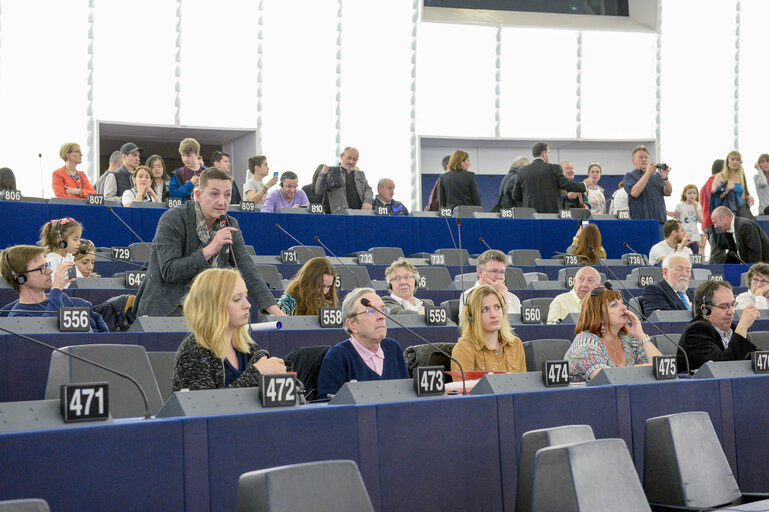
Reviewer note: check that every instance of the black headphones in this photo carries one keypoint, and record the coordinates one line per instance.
(287, 175)
(57, 223)
(19, 278)
(706, 309)
(416, 282)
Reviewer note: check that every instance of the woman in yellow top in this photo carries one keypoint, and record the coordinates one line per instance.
(487, 343)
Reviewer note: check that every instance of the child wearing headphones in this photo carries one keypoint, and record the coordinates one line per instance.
(487, 342)
(85, 259)
(61, 237)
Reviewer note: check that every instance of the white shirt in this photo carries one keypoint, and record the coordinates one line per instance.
(662, 249)
(618, 201)
(563, 305)
(749, 298)
(418, 308)
(56, 260)
(513, 302)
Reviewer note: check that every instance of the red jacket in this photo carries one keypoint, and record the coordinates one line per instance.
(61, 180)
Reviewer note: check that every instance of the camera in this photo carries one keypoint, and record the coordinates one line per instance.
(662, 166)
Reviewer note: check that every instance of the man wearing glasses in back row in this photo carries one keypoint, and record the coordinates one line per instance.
(712, 335)
(490, 268)
(368, 354)
(25, 269)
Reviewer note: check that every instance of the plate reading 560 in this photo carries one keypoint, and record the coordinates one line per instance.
(85, 402)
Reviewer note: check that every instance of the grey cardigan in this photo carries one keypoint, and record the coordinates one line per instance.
(397, 309)
(177, 257)
(197, 368)
(337, 197)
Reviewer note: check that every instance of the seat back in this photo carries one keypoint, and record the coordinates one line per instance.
(466, 280)
(579, 213)
(701, 274)
(304, 253)
(140, 251)
(452, 306)
(124, 398)
(453, 256)
(386, 255)
(665, 346)
(760, 339)
(591, 476)
(514, 279)
(539, 351)
(523, 256)
(435, 278)
(306, 362)
(353, 276)
(684, 464)
(634, 304)
(163, 368)
(534, 440)
(327, 486)
(466, 210)
(272, 278)
(539, 302)
(27, 505)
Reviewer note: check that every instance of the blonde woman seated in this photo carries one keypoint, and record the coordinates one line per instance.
(758, 288)
(604, 337)
(85, 258)
(487, 343)
(311, 289)
(220, 352)
(402, 278)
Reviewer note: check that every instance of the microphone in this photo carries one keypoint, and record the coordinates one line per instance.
(222, 225)
(734, 253)
(368, 304)
(643, 256)
(459, 250)
(640, 314)
(484, 243)
(147, 414)
(571, 254)
(127, 226)
(357, 281)
(294, 238)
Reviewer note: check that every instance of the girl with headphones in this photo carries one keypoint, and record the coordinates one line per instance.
(487, 342)
(62, 239)
(85, 259)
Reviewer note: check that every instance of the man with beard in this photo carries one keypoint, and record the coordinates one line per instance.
(345, 185)
(672, 293)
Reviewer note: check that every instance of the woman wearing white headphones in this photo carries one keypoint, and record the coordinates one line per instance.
(402, 280)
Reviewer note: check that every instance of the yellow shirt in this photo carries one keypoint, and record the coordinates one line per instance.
(509, 358)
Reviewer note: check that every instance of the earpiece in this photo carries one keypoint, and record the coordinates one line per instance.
(62, 242)
(21, 278)
(706, 309)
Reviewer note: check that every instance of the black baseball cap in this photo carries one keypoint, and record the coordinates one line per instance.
(129, 147)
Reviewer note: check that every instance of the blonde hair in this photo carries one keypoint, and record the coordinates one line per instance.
(205, 309)
(66, 148)
(688, 187)
(457, 157)
(724, 175)
(472, 331)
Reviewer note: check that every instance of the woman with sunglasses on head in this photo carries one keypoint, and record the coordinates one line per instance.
(758, 288)
(487, 342)
(219, 353)
(402, 278)
(311, 288)
(608, 335)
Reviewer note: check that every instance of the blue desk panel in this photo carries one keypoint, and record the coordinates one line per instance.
(749, 399)
(119, 467)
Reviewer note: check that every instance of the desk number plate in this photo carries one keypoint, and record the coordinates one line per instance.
(429, 380)
(316, 208)
(74, 320)
(437, 259)
(95, 199)
(435, 316)
(531, 314)
(173, 202)
(278, 390)
(665, 367)
(11, 195)
(85, 402)
(555, 373)
(247, 206)
(330, 318)
(760, 361)
(134, 278)
(365, 258)
(288, 257)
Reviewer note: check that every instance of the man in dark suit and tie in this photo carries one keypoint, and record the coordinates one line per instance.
(745, 238)
(539, 184)
(672, 293)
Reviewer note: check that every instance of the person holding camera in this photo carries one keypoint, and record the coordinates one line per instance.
(345, 185)
(646, 188)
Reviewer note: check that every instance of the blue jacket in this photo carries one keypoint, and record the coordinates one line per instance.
(58, 299)
(343, 364)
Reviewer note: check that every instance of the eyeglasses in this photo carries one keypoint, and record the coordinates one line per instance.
(372, 311)
(731, 305)
(495, 272)
(760, 280)
(42, 269)
(395, 279)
